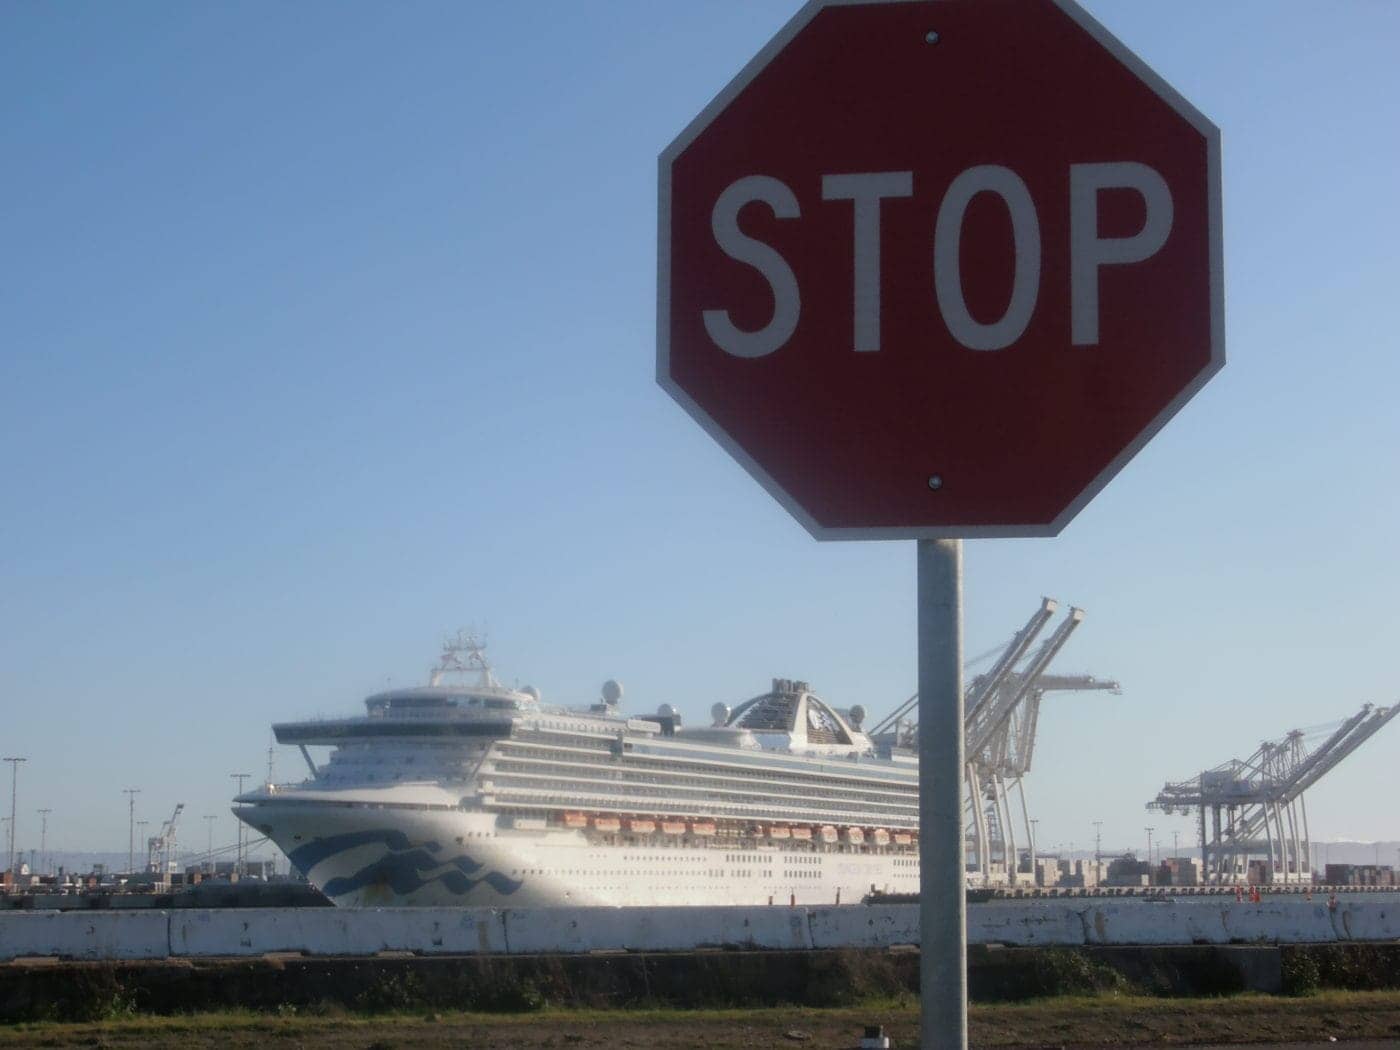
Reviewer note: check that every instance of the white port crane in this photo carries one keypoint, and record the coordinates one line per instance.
(1254, 807)
(161, 855)
(1001, 713)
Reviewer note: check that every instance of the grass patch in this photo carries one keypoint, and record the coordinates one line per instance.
(1100, 1019)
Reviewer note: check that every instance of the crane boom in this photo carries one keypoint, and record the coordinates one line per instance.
(1253, 805)
(999, 709)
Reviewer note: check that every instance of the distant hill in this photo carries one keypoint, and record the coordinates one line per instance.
(1383, 853)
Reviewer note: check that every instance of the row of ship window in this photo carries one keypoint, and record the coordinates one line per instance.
(693, 785)
(796, 779)
(756, 811)
(604, 757)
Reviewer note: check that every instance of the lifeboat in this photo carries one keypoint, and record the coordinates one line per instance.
(829, 834)
(902, 838)
(702, 827)
(673, 827)
(641, 827)
(779, 832)
(881, 837)
(575, 820)
(855, 836)
(608, 824)
(802, 834)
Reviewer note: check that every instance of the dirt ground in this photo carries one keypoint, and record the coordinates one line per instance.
(1100, 1022)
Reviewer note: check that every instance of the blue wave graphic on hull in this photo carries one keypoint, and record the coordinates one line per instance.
(403, 874)
(401, 870)
(308, 856)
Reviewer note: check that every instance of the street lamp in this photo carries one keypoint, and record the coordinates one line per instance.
(131, 794)
(14, 791)
(238, 864)
(44, 840)
(1035, 837)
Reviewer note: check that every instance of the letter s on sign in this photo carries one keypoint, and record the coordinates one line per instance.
(787, 304)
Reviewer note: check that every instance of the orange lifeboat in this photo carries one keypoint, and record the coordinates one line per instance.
(902, 838)
(855, 836)
(673, 827)
(608, 824)
(777, 831)
(802, 834)
(829, 834)
(575, 820)
(702, 827)
(641, 827)
(881, 837)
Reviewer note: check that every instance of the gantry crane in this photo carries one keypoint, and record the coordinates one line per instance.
(1001, 712)
(1254, 807)
(161, 855)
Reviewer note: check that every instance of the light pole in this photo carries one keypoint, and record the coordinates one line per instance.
(238, 864)
(1098, 851)
(14, 790)
(209, 819)
(1149, 851)
(131, 794)
(44, 839)
(1035, 836)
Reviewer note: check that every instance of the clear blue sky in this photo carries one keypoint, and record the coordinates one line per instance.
(326, 328)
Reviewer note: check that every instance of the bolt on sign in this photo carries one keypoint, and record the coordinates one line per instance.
(940, 268)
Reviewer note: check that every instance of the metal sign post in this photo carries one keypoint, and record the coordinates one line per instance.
(942, 857)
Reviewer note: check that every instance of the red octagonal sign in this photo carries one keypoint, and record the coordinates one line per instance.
(940, 268)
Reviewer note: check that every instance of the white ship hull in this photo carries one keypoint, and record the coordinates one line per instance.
(365, 857)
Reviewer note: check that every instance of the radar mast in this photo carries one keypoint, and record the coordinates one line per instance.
(464, 654)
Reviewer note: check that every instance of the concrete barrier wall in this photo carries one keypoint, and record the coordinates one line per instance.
(876, 926)
(1367, 922)
(90, 935)
(336, 931)
(454, 931)
(1011, 922)
(663, 929)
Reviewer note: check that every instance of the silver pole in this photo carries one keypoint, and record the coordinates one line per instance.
(11, 864)
(44, 840)
(238, 862)
(130, 794)
(942, 852)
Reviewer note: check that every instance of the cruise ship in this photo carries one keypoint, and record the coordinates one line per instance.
(466, 792)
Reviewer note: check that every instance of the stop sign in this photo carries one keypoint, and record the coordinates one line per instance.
(940, 268)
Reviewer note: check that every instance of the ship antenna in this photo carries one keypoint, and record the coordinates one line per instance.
(463, 654)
